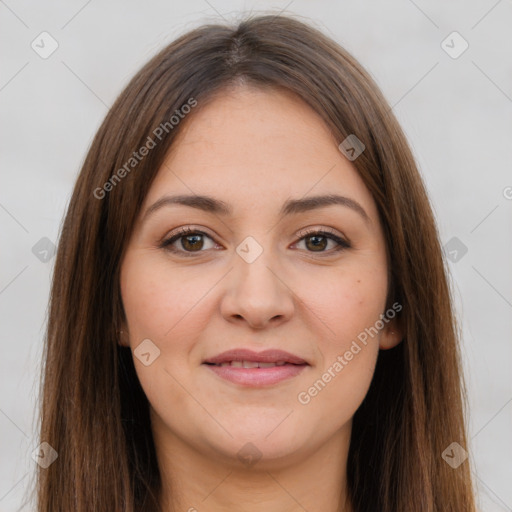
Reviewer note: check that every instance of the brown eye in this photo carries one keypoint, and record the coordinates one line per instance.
(318, 241)
(192, 242)
(187, 241)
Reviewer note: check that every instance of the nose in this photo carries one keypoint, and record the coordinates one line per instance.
(257, 294)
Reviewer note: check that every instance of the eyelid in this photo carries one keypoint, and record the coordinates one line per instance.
(185, 230)
(319, 229)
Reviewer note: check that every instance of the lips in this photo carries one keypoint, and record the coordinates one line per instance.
(256, 369)
(247, 368)
(244, 358)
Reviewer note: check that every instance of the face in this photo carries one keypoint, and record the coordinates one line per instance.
(263, 267)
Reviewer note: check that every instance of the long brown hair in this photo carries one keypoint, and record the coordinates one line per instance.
(93, 410)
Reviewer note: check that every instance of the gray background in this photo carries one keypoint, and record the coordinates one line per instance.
(456, 113)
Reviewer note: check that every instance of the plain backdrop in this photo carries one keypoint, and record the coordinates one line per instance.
(454, 103)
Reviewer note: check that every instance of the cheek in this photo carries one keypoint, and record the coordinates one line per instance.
(170, 308)
(160, 302)
(348, 308)
(346, 302)
(146, 300)
(159, 306)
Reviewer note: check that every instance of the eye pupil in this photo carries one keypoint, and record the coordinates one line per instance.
(317, 244)
(193, 245)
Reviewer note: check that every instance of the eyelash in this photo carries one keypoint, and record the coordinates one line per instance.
(342, 244)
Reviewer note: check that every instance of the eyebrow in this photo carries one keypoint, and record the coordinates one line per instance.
(291, 206)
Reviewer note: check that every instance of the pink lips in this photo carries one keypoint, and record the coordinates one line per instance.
(241, 366)
(267, 356)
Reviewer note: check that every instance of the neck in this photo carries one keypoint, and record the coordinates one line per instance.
(193, 481)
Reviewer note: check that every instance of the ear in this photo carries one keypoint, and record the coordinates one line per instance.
(391, 335)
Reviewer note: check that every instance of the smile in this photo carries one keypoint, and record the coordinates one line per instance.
(255, 373)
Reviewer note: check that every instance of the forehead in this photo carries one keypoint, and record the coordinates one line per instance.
(253, 146)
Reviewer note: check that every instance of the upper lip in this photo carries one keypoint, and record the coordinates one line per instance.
(267, 356)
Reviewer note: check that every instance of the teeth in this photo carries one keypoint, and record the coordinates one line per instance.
(252, 364)
(266, 365)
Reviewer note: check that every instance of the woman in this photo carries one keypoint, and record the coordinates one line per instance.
(250, 308)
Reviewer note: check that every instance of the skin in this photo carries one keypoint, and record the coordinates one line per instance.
(254, 149)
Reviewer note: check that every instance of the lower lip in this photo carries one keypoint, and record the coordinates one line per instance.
(257, 376)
